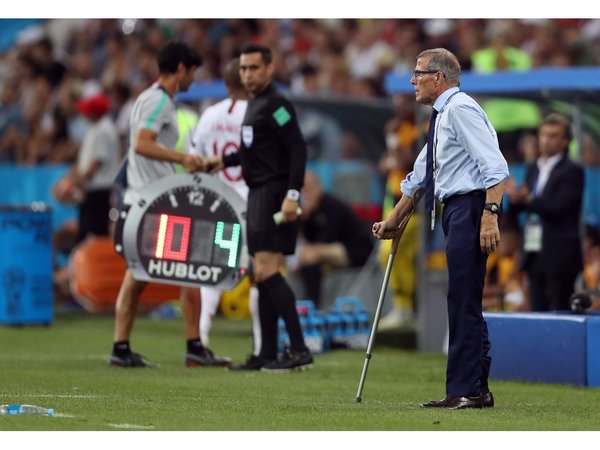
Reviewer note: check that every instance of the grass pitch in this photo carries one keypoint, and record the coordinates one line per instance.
(64, 367)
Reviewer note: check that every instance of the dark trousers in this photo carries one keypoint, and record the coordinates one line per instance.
(312, 277)
(468, 360)
(551, 292)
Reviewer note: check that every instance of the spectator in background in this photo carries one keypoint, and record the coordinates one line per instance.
(187, 119)
(91, 177)
(13, 128)
(307, 82)
(407, 42)
(588, 283)
(528, 148)
(116, 71)
(590, 152)
(122, 104)
(402, 135)
(504, 289)
(49, 140)
(552, 196)
(367, 55)
(591, 258)
(89, 182)
(332, 237)
(510, 117)
(336, 74)
(350, 147)
(42, 54)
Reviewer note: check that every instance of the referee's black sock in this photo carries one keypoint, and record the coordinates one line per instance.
(268, 316)
(121, 348)
(194, 346)
(284, 301)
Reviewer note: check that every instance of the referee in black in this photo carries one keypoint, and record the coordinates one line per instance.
(273, 159)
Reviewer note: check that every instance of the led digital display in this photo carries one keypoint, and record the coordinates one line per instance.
(174, 238)
(187, 230)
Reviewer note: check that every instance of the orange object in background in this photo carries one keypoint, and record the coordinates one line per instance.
(96, 275)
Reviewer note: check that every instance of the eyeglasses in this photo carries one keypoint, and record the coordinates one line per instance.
(418, 73)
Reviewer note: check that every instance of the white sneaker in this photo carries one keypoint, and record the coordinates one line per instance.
(396, 318)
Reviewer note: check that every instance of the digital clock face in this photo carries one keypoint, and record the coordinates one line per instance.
(187, 230)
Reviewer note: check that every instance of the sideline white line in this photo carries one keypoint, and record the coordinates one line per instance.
(131, 426)
(52, 395)
(37, 357)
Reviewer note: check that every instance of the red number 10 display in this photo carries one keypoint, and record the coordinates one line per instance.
(173, 237)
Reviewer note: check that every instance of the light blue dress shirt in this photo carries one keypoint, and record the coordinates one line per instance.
(466, 152)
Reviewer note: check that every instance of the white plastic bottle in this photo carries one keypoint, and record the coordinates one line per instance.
(25, 410)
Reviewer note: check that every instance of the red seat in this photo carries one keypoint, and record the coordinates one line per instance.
(368, 213)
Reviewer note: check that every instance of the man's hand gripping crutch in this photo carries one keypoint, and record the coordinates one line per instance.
(391, 228)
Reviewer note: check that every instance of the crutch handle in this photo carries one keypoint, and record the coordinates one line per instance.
(404, 222)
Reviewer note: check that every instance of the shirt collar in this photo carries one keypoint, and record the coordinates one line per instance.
(443, 98)
(549, 162)
(268, 89)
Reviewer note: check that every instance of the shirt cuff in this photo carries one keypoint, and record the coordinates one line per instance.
(493, 177)
(407, 190)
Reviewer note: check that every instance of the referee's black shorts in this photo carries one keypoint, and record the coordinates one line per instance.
(262, 232)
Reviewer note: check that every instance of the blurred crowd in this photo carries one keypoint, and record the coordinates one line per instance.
(56, 62)
(58, 73)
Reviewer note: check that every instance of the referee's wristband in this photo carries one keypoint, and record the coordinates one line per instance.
(293, 195)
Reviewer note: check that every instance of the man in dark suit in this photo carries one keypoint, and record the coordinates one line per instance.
(552, 197)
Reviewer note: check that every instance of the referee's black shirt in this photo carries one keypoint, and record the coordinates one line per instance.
(272, 147)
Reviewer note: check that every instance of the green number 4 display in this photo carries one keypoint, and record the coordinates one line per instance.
(232, 244)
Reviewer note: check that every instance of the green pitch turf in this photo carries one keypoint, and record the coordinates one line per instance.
(64, 367)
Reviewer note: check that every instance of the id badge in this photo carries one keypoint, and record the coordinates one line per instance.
(532, 235)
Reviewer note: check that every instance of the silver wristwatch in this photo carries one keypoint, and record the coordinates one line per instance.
(293, 195)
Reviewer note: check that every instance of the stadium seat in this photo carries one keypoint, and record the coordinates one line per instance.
(96, 275)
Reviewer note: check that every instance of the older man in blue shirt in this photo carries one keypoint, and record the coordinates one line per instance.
(463, 167)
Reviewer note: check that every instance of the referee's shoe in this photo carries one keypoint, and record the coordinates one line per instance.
(301, 360)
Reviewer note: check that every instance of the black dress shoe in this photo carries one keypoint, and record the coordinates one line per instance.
(488, 400)
(437, 403)
(454, 402)
(466, 402)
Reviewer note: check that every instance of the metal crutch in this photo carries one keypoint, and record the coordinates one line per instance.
(386, 279)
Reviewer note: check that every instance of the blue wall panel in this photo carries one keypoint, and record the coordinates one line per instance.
(593, 350)
(548, 347)
(21, 185)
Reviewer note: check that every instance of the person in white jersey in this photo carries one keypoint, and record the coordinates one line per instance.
(218, 133)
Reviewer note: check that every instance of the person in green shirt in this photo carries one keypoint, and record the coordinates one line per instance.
(510, 117)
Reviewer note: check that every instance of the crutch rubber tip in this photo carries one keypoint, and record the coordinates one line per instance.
(358, 399)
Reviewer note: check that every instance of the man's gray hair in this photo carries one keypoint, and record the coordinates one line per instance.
(445, 61)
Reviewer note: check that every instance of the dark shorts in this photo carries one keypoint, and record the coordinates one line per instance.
(93, 214)
(262, 232)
